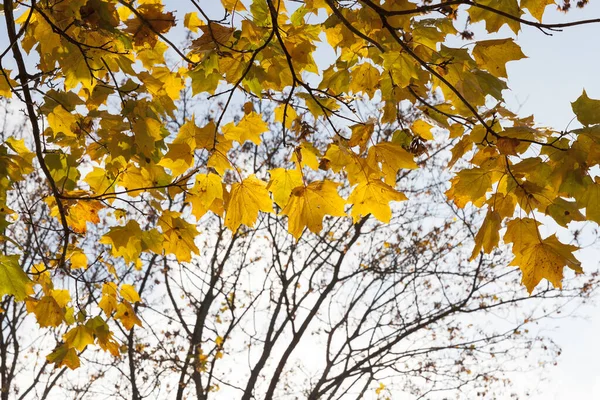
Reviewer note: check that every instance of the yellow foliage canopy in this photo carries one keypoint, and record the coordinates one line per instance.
(110, 132)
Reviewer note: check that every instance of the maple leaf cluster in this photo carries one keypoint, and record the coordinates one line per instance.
(104, 88)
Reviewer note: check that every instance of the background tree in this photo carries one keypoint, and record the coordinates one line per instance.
(175, 241)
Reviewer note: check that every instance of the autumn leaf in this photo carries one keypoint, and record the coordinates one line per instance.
(392, 157)
(522, 233)
(504, 204)
(246, 200)
(537, 7)
(494, 21)
(179, 236)
(282, 182)
(149, 21)
(587, 110)
(488, 236)
(492, 55)
(178, 159)
(361, 133)
(126, 241)
(48, 312)
(129, 293)
(591, 200)
(126, 315)
(63, 356)
(546, 260)
(248, 129)
(108, 302)
(192, 21)
(365, 78)
(306, 155)
(564, 212)
(422, 129)
(78, 259)
(373, 197)
(233, 5)
(470, 185)
(207, 190)
(78, 337)
(83, 212)
(62, 121)
(13, 280)
(308, 206)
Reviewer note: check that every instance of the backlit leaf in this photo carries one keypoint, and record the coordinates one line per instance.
(308, 206)
(246, 200)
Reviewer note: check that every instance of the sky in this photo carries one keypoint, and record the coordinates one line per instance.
(556, 71)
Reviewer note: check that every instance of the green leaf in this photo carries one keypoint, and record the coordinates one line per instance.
(587, 110)
(13, 281)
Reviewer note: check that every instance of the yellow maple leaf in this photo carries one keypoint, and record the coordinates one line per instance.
(282, 182)
(82, 212)
(392, 158)
(147, 131)
(564, 212)
(537, 7)
(126, 315)
(104, 335)
(78, 259)
(64, 356)
(78, 337)
(470, 185)
(522, 233)
(192, 21)
(218, 159)
(492, 55)
(546, 260)
(246, 200)
(338, 156)
(197, 137)
(308, 205)
(179, 236)
(488, 236)
(361, 133)
(591, 200)
(126, 241)
(48, 312)
(504, 204)
(178, 159)
(233, 5)
(62, 121)
(206, 191)
(587, 109)
(249, 129)
(99, 182)
(6, 84)
(401, 67)
(423, 129)
(494, 21)
(306, 155)
(365, 78)
(129, 293)
(373, 197)
(108, 302)
(290, 115)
